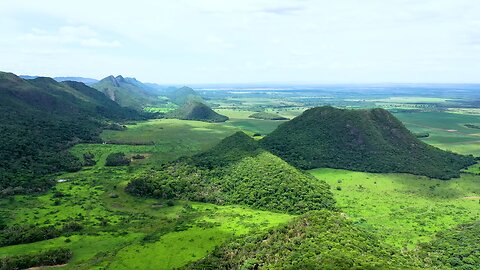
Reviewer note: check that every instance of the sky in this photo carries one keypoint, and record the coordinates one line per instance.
(244, 41)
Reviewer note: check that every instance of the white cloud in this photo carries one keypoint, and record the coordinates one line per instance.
(70, 36)
(283, 40)
(96, 43)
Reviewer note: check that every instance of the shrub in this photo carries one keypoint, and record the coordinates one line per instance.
(117, 159)
(49, 257)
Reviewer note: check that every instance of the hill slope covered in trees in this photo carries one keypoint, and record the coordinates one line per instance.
(39, 120)
(183, 95)
(316, 240)
(194, 110)
(363, 140)
(236, 171)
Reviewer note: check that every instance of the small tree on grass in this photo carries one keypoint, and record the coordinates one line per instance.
(117, 159)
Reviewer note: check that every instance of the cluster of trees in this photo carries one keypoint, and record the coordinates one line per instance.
(237, 171)
(472, 126)
(88, 159)
(45, 258)
(267, 116)
(117, 159)
(18, 234)
(316, 240)
(362, 140)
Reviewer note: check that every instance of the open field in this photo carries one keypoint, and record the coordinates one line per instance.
(168, 139)
(447, 130)
(404, 209)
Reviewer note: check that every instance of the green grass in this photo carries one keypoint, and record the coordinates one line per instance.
(474, 169)
(179, 248)
(239, 119)
(447, 130)
(172, 138)
(404, 209)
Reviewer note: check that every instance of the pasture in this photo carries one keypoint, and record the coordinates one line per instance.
(401, 208)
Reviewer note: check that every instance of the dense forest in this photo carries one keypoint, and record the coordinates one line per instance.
(363, 140)
(39, 120)
(236, 171)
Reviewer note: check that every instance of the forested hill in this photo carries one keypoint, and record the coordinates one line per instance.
(194, 110)
(183, 95)
(237, 171)
(39, 120)
(363, 140)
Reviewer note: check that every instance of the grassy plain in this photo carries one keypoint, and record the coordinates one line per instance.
(404, 209)
(239, 119)
(165, 139)
(447, 130)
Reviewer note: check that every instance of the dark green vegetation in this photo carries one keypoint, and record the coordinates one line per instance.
(39, 120)
(363, 140)
(15, 235)
(422, 135)
(472, 126)
(316, 240)
(128, 92)
(198, 111)
(45, 258)
(455, 249)
(267, 116)
(236, 171)
(117, 159)
(184, 95)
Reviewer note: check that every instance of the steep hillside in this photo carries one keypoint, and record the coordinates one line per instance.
(267, 116)
(127, 92)
(198, 111)
(236, 171)
(39, 120)
(183, 95)
(364, 140)
(316, 240)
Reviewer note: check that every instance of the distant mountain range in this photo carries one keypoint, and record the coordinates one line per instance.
(87, 81)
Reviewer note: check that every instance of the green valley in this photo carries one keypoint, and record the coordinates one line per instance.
(149, 191)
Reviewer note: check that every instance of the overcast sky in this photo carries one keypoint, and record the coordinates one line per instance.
(244, 41)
